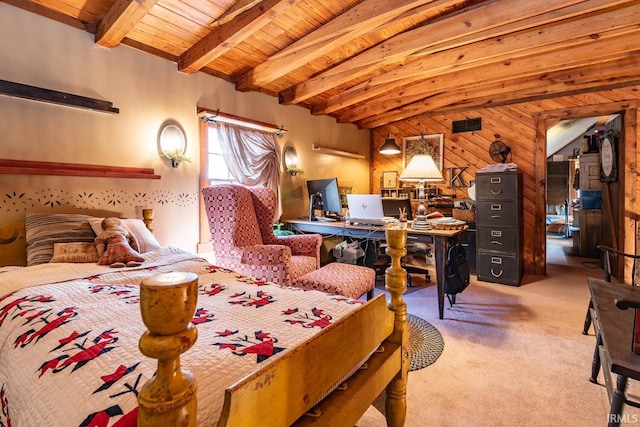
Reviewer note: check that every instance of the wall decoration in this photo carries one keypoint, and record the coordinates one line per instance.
(423, 144)
(389, 180)
(608, 161)
(23, 201)
(343, 195)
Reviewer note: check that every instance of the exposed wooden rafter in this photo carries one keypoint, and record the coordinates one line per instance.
(231, 33)
(376, 62)
(120, 19)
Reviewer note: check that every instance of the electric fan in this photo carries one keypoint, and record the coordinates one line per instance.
(498, 151)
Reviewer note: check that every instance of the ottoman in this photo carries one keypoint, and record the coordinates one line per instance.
(337, 278)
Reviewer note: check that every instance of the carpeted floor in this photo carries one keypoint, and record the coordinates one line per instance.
(425, 343)
(515, 356)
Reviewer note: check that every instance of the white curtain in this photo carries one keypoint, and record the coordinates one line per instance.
(252, 156)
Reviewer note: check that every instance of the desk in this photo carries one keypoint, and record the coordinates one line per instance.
(439, 238)
(614, 330)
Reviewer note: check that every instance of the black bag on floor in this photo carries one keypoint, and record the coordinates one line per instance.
(456, 271)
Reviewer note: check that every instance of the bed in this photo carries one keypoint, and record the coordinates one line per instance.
(264, 355)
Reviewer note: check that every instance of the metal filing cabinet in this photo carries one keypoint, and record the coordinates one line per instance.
(499, 226)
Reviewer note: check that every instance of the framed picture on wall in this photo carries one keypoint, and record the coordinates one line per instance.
(423, 144)
(389, 180)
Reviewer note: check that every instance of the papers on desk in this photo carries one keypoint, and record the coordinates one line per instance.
(444, 223)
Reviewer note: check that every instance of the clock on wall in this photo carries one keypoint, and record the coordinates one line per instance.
(608, 164)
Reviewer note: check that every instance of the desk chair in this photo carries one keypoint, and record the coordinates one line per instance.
(635, 271)
(391, 208)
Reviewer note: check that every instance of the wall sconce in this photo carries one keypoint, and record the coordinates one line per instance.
(291, 162)
(390, 146)
(172, 143)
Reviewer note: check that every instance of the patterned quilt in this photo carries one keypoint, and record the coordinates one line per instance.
(69, 337)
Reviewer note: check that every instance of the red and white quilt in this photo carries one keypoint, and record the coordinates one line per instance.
(69, 337)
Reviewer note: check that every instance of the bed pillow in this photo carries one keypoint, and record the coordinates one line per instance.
(146, 241)
(74, 252)
(44, 230)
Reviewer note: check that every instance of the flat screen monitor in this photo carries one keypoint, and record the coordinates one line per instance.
(328, 200)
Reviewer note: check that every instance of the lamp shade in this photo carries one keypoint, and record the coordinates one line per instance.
(421, 168)
(390, 146)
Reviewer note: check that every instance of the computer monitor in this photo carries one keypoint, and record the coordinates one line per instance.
(324, 195)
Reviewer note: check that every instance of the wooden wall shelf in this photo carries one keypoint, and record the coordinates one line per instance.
(19, 90)
(28, 167)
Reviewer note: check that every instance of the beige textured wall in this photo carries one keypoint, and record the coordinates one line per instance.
(148, 90)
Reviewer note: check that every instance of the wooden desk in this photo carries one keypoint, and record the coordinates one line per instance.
(439, 238)
(614, 331)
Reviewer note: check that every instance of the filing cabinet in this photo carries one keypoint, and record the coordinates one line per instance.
(499, 227)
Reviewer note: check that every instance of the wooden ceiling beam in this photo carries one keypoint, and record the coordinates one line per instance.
(120, 20)
(397, 49)
(584, 51)
(361, 19)
(235, 10)
(228, 35)
(616, 73)
(535, 41)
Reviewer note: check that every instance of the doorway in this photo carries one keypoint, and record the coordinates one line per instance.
(581, 209)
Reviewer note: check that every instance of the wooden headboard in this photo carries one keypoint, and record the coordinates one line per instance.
(13, 242)
(13, 245)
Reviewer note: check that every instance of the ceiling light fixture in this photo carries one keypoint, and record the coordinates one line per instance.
(390, 146)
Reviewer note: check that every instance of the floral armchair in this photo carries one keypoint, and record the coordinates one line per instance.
(241, 225)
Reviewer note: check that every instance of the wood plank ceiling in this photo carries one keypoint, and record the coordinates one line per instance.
(376, 62)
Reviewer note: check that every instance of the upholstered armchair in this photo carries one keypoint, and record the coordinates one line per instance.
(241, 225)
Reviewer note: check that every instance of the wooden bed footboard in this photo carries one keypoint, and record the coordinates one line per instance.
(300, 387)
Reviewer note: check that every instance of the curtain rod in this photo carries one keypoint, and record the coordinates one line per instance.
(209, 116)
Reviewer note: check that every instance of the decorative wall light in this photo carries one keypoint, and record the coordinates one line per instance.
(172, 143)
(291, 162)
(390, 146)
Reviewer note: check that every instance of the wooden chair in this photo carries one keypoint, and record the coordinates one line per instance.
(608, 253)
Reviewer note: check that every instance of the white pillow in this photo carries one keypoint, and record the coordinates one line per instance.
(146, 241)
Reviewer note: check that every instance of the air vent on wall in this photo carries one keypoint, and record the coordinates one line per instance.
(466, 125)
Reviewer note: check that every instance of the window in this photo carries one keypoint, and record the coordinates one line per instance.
(217, 170)
(252, 157)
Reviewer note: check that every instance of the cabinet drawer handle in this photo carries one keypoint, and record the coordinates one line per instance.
(495, 192)
(496, 275)
(495, 242)
(496, 216)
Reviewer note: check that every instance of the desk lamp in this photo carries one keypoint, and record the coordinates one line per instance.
(422, 169)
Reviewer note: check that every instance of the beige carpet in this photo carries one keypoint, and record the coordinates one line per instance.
(513, 356)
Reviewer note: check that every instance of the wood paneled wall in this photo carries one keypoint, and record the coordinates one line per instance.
(522, 127)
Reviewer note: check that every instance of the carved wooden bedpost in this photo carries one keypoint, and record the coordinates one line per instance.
(147, 217)
(396, 284)
(167, 303)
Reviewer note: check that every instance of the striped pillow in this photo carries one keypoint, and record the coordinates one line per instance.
(44, 230)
